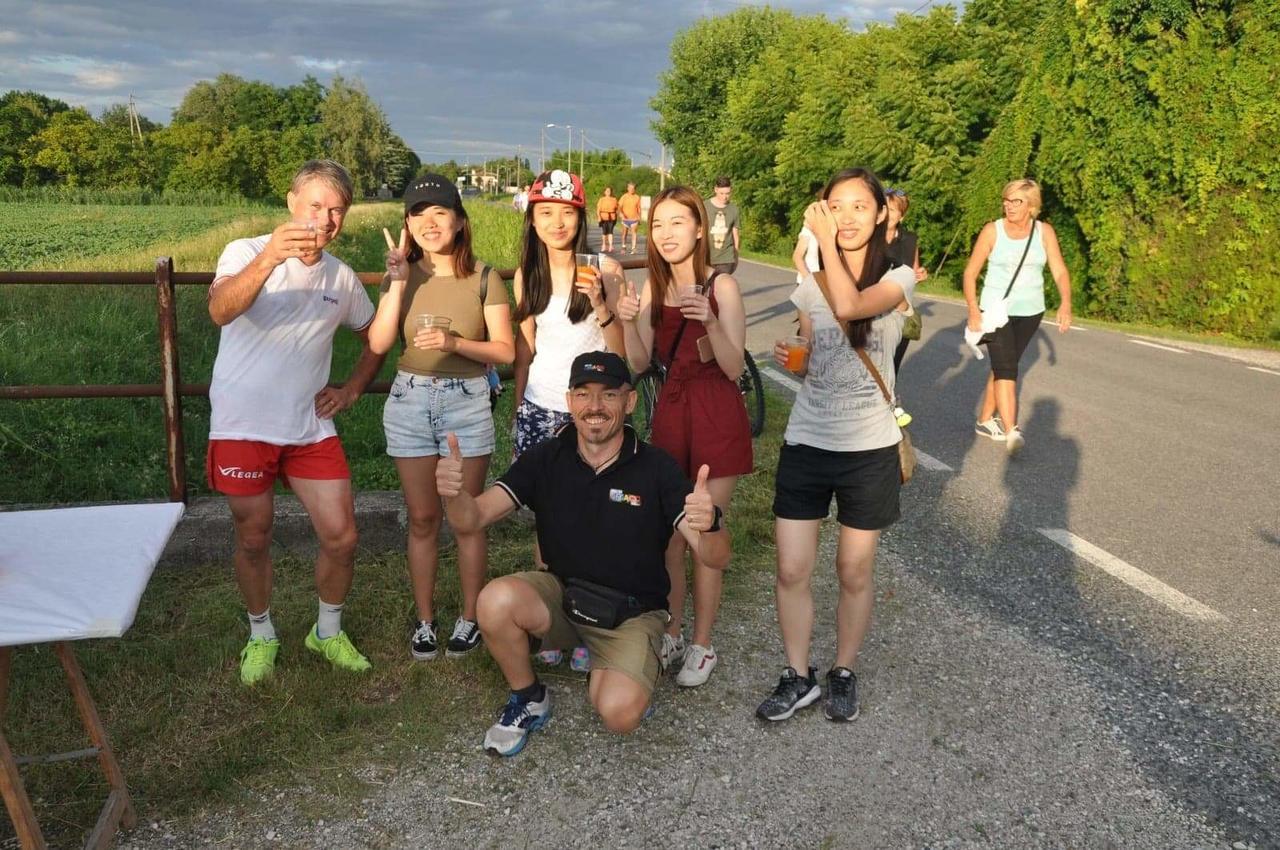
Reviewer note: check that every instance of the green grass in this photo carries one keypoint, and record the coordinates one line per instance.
(188, 735)
(108, 335)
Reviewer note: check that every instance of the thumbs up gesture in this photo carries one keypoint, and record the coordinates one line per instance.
(449, 469)
(628, 302)
(699, 509)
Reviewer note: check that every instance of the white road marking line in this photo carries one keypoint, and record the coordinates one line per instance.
(1157, 345)
(1132, 576)
(1260, 369)
(777, 377)
(928, 461)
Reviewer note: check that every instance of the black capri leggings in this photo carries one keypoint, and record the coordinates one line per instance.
(1006, 344)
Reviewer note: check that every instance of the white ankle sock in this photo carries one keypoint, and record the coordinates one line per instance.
(329, 621)
(260, 625)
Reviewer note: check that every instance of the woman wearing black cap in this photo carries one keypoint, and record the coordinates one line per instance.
(452, 319)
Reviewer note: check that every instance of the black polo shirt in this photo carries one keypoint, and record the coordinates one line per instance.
(612, 528)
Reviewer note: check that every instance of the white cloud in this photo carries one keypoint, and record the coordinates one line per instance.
(328, 66)
(9, 37)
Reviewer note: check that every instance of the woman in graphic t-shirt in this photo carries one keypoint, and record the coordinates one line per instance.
(452, 319)
(841, 438)
(561, 312)
(693, 321)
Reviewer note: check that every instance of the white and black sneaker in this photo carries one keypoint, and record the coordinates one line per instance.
(792, 693)
(1014, 441)
(841, 701)
(990, 429)
(465, 638)
(423, 645)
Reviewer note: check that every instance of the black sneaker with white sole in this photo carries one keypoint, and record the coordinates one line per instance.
(423, 644)
(465, 638)
(792, 693)
(841, 701)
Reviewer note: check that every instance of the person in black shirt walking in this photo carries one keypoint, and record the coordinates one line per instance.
(606, 504)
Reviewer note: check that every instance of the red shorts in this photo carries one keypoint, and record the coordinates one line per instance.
(250, 467)
(703, 420)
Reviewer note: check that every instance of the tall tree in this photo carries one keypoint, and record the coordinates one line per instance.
(355, 132)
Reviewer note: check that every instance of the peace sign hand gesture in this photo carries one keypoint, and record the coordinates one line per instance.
(397, 265)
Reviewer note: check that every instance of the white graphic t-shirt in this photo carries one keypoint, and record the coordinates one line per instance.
(274, 357)
(839, 407)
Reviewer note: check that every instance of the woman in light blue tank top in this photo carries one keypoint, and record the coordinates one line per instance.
(1017, 244)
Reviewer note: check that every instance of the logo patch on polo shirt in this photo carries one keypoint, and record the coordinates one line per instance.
(619, 496)
(333, 301)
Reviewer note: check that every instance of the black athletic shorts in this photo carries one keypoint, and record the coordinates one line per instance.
(606, 227)
(1006, 344)
(865, 485)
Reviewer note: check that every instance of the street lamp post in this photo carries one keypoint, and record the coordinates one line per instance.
(568, 127)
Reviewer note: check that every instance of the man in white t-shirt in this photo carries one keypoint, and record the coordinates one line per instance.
(279, 300)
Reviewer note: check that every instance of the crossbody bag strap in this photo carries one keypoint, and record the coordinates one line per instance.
(875, 373)
(1025, 251)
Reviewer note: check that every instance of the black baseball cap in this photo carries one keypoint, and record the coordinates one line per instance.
(599, 367)
(433, 189)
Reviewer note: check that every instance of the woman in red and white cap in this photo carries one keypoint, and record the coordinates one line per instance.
(563, 308)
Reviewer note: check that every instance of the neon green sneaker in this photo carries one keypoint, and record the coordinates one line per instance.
(338, 650)
(258, 659)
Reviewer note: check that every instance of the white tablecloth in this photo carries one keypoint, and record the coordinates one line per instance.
(73, 573)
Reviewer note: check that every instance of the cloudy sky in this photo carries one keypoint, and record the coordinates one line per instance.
(457, 78)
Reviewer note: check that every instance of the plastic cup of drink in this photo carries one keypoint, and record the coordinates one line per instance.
(585, 263)
(427, 321)
(311, 230)
(690, 291)
(797, 353)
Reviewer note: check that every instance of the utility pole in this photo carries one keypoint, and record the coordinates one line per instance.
(135, 126)
(662, 169)
(519, 175)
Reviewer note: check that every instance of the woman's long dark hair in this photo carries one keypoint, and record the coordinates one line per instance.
(876, 261)
(660, 277)
(535, 270)
(464, 260)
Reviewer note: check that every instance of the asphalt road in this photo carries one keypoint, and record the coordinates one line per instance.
(1166, 459)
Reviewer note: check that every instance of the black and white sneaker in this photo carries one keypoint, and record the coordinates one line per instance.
(465, 637)
(423, 644)
(793, 692)
(841, 702)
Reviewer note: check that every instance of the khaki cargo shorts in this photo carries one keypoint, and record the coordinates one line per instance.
(632, 648)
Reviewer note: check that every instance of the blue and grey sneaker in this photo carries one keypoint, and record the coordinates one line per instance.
(990, 429)
(519, 717)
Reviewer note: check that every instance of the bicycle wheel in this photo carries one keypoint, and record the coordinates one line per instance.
(752, 394)
(648, 386)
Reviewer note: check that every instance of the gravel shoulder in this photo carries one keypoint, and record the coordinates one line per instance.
(972, 734)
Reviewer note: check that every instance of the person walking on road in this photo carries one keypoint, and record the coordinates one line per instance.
(606, 505)
(693, 320)
(841, 438)
(279, 299)
(452, 320)
(723, 216)
(904, 250)
(607, 216)
(1015, 249)
(629, 210)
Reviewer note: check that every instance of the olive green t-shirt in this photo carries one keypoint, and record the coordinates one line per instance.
(442, 295)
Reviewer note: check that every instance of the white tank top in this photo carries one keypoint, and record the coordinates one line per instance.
(558, 341)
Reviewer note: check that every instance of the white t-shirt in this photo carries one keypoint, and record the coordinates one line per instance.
(557, 342)
(274, 357)
(810, 252)
(839, 407)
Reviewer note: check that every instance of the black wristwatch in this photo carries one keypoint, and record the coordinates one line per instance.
(715, 523)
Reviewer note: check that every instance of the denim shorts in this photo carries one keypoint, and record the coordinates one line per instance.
(534, 424)
(422, 410)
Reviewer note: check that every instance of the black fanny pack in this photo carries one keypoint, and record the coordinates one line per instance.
(591, 604)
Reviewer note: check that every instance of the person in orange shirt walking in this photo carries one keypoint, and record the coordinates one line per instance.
(607, 214)
(629, 209)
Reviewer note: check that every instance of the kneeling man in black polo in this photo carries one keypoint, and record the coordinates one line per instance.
(606, 503)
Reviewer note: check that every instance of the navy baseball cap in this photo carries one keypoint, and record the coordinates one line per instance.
(434, 190)
(599, 367)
